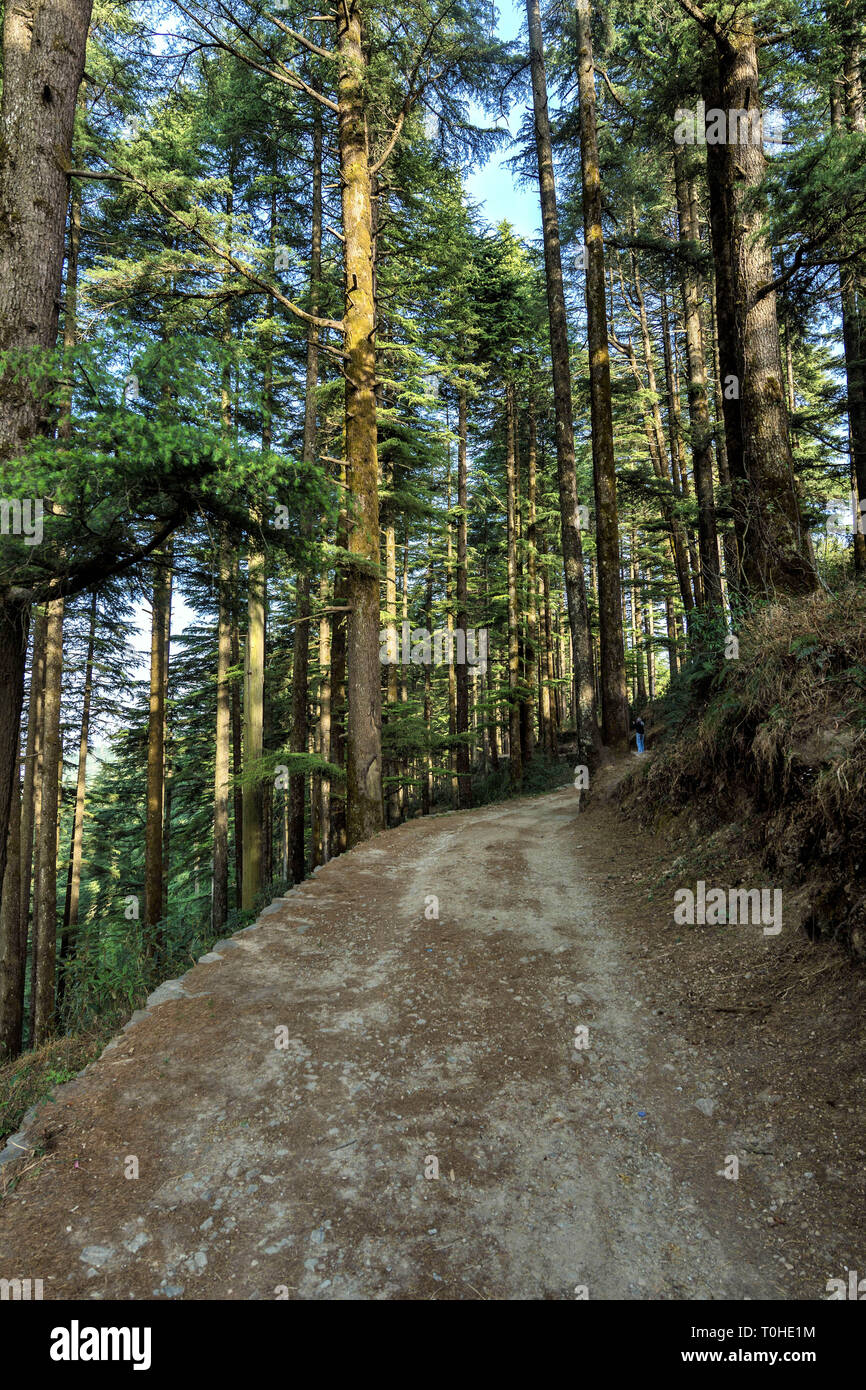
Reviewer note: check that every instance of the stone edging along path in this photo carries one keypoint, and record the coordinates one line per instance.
(16, 1145)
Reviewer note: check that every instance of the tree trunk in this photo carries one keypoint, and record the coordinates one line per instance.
(449, 625)
(677, 474)
(237, 736)
(515, 768)
(392, 643)
(300, 731)
(254, 694)
(73, 878)
(549, 685)
(154, 868)
(699, 412)
(650, 637)
(220, 887)
(301, 670)
(168, 770)
(772, 537)
(265, 786)
(855, 295)
(729, 544)
(45, 890)
(637, 635)
(14, 626)
(670, 616)
(338, 681)
(853, 324)
(464, 756)
(43, 64)
(427, 781)
(321, 780)
(365, 809)
(31, 825)
(614, 703)
(404, 669)
(572, 552)
(13, 942)
(721, 232)
(531, 647)
(655, 434)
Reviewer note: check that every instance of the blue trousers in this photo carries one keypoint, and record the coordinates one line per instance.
(639, 738)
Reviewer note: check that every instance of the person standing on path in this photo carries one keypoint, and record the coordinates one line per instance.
(640, 729)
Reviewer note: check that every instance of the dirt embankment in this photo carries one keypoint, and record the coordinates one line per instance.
(764, 749)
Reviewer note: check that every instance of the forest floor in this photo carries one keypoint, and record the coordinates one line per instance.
(290, 1109)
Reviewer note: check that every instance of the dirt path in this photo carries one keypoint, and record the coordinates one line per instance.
(289, 1111)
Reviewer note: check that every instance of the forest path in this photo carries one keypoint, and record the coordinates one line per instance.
(300, 1169)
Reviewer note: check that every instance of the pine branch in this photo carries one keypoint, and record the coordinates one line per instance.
(337, 325)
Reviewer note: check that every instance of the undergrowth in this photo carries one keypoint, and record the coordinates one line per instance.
(32, 1077)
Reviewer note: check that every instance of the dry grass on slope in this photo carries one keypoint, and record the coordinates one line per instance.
(776, 740)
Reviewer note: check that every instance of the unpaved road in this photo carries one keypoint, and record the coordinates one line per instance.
(288, 1114)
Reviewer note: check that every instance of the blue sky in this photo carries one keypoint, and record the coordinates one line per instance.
(492, 185)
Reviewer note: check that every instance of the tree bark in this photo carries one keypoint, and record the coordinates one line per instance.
(637, 634)
(338, 680)
(43, 65)
(253, 735)
(365, 810)
(572, 551)
(13, 943)
(614, 702)
(549, 669)
(515, 767)
(220, 886)
(301, 668)
(321, 780)
(14, 626)
(655, 434)
(449, 624)
(392, 642)
(729, 543)
(853, 322)
(699, 412)
(649, 639)
(677, 474)
(45, 890)
(531, 647)
(772, 540)
(73, 878)
(670, 616)
(427, 782)
(154, 868)
(464, 754)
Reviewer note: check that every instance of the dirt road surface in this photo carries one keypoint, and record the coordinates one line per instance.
(376, 1093)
